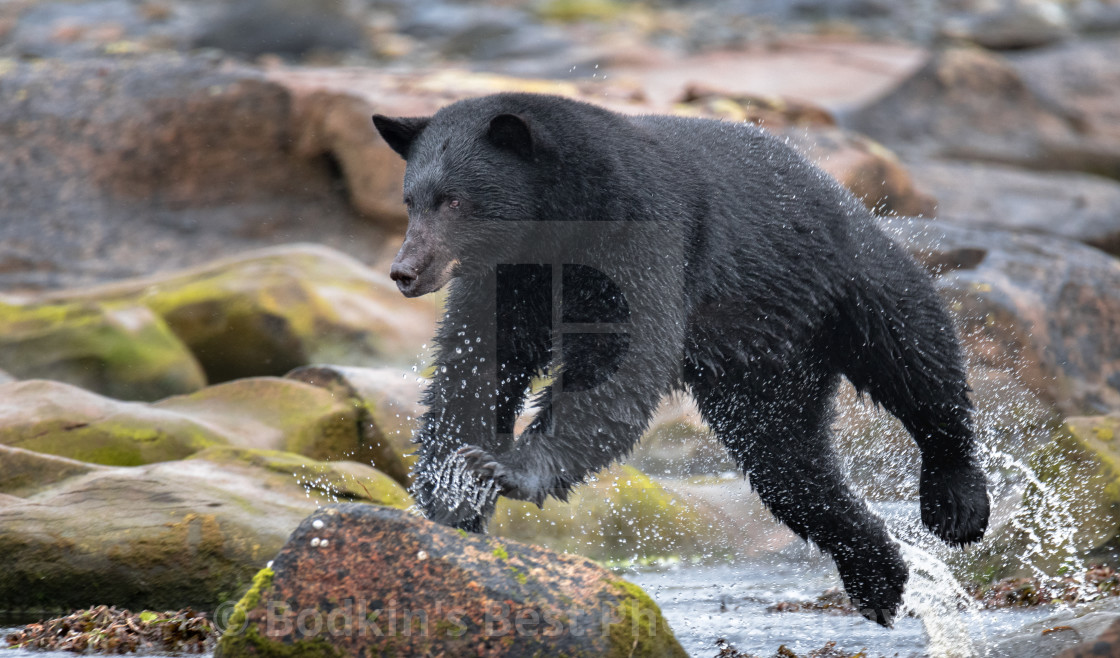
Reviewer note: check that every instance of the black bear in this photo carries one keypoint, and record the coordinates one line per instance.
(626, 257)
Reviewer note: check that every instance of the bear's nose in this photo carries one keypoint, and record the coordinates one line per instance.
(404, 275)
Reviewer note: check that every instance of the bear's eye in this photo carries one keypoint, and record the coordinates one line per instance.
(453, 203)
(408, 201)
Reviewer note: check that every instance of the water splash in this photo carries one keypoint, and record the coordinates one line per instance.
(935, 596)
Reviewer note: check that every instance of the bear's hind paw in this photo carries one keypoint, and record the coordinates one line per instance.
(954, 503)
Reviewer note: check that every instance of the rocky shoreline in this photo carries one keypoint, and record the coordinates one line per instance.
(201, 353)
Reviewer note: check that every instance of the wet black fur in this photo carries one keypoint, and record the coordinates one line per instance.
(785, 286)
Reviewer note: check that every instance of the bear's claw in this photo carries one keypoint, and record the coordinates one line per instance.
(510, 485)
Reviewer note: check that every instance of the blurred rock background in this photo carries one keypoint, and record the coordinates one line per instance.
(196, 220)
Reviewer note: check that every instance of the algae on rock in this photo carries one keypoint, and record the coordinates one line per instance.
(122, 349)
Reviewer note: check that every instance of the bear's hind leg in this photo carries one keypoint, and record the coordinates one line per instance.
(778, 433)
(907, 358)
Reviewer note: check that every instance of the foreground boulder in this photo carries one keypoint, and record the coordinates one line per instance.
(170, 535)
(361, 580)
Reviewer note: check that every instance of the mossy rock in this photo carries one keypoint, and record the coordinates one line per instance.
(166, 536)
(121, 349)
(678, 443)
(59, 419)
(372, 581)
(272, 310)
(264, 412)
(388, 404)
(276, 414)
(334, 480)
(23, 472)
(621, 516)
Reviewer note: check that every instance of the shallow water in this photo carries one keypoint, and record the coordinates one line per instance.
(703, 604)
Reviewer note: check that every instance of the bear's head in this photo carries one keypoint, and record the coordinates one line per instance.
(470, 175)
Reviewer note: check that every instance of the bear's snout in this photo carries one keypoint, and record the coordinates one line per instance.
(405, 275)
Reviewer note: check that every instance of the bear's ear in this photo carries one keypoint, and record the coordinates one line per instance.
(401, 132)
(511, 132)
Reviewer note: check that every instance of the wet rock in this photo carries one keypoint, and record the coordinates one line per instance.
(23, 472)
(106, 629)
(1081, 81)
(623, 515)
(1105, 645)
(122, 349)
(481, 32)
(771, 112)
(1028, 591)
(972, 104)
(58, 419)
(269, 311)
(331, 480)
(350, 569)
(94, 27)
(832, 601)
(164, 536)
(1046, 109)
(284, 27)
(1075, 632)
(121, 166)
(1096, 17)
(276, 414)
(259, 413)
(387, 403)
(1042, 308)
(1015, 25)
(1069, 205)
(871, 171)
(337, 125)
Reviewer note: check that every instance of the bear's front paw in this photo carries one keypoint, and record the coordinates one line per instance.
(954, 501)
(512, 483)
(874, 581)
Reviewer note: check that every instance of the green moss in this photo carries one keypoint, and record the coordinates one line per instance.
(117, 440)
(122, 350)
(23, 472)
(243, 639)
(642, 631)
(580, 10)
(500, 552)
(623, 514)
(335, 481)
